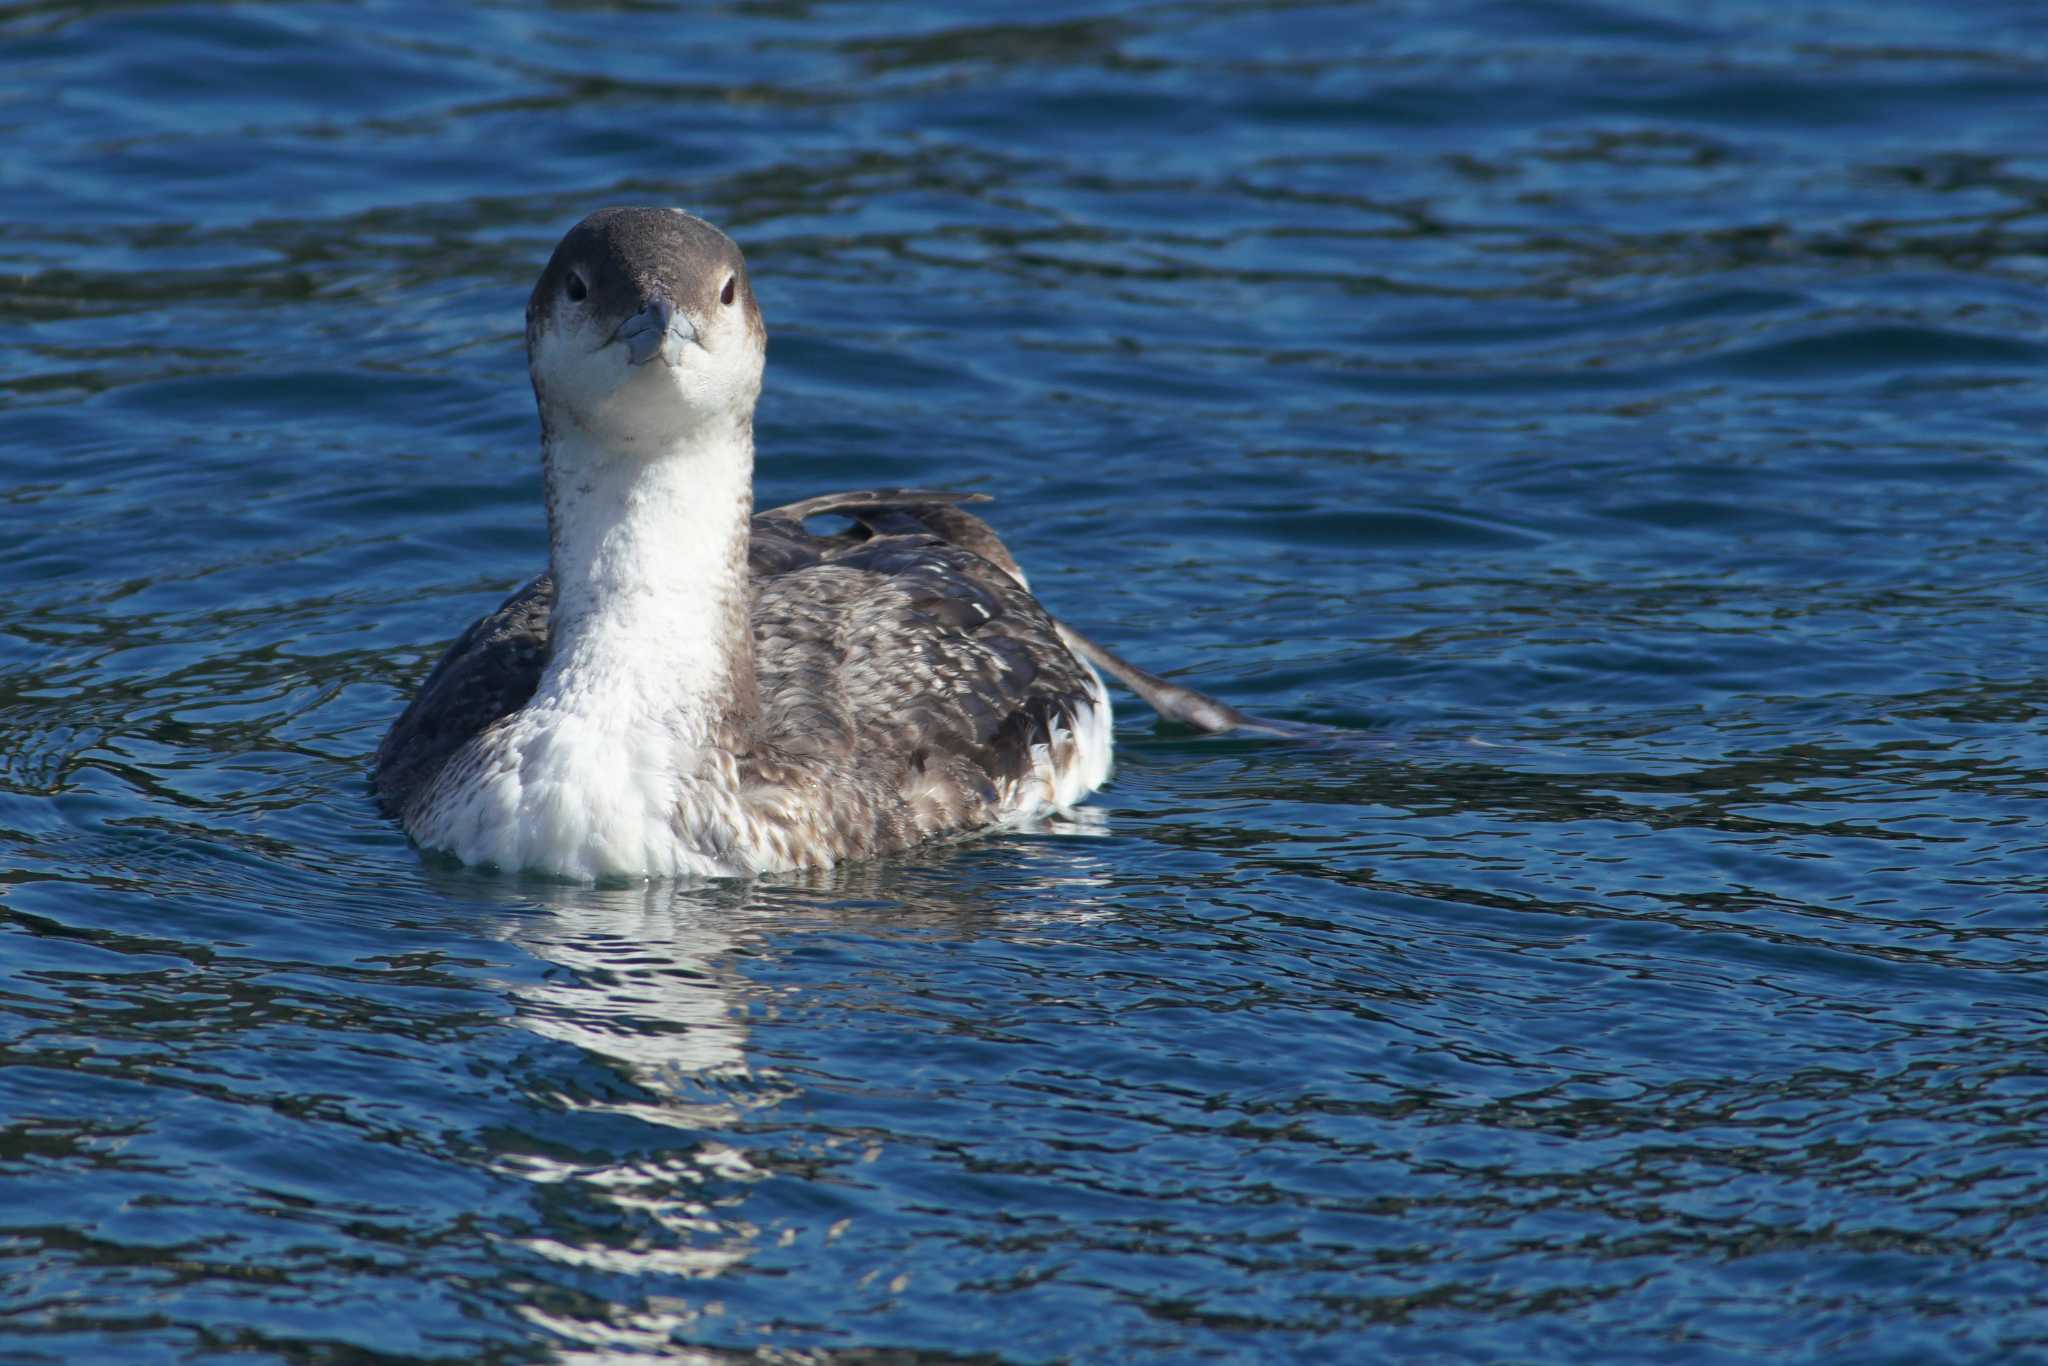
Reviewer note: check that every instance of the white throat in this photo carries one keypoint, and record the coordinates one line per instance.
(622, 764)
(649, 559)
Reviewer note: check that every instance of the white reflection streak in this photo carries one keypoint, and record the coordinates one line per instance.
(644, 988)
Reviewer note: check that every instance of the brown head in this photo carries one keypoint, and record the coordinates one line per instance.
(644, 327)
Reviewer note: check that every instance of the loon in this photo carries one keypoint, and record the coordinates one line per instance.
(694, 689)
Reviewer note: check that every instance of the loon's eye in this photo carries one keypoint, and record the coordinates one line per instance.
(725, 295)
(575, 289)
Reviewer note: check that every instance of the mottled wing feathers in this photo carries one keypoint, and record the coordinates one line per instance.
(942, 680)
(489, 672)
(896, 511)
(867, 500)
(882, 512)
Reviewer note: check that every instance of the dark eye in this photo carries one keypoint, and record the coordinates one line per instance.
(725, 295)
(575, 288)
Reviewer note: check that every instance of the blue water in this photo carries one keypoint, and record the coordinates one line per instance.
(1620, 426)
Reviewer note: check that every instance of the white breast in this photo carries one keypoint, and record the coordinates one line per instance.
(573, 796)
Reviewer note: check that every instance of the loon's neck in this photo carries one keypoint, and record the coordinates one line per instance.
(651, 631)
(626, 760)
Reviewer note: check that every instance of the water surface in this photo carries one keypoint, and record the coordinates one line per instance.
(1619, 426)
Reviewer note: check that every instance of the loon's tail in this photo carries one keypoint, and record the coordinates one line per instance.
(1171, 700)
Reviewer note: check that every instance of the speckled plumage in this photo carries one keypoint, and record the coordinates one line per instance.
(908, 687)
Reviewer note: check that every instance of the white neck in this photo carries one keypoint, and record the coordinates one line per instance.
(623, 763)
(649, 556)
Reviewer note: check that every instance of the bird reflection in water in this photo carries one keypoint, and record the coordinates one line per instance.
(659, 988)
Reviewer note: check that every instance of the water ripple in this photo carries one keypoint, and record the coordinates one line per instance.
(1615, 428)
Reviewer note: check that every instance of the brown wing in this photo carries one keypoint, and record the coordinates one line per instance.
(488, 673)
(905, 680)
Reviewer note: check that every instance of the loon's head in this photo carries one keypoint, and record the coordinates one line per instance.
(643, 330)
